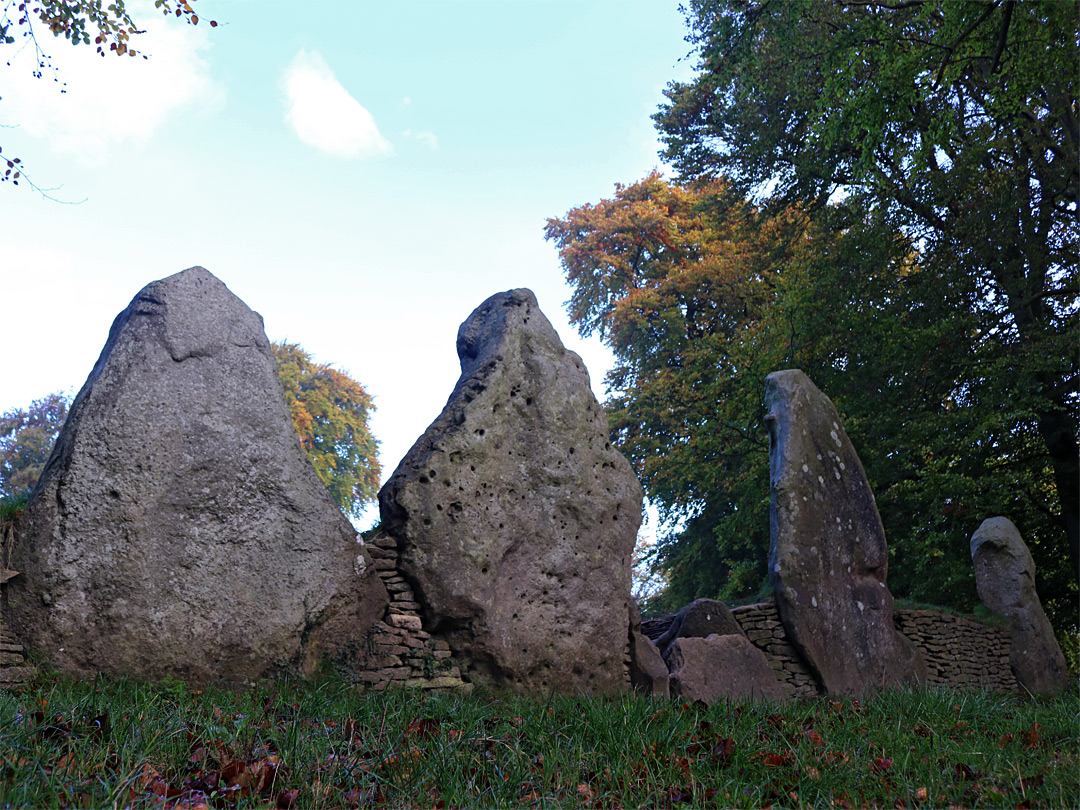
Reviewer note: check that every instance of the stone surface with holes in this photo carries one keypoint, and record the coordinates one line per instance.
(828, 558)
(179, 529)
(515, 516)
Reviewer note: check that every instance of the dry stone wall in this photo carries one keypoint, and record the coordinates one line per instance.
(763, 627)
(959, 651)
(397, 651)
(15, 670)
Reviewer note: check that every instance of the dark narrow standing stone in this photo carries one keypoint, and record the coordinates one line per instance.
(1005, 579)
(828, 558)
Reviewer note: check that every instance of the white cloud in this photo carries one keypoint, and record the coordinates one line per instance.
(112, 100)
(428, 139)
(324, 115)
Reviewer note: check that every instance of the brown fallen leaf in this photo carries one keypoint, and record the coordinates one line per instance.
(6, 574)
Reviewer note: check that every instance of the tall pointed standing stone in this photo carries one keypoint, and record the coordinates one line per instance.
(178, 528)
(828, 558)
(515, 516)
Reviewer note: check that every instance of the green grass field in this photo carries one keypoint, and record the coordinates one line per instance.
(117, 743)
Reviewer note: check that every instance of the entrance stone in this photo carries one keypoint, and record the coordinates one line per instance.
(178, 528)
(514, 515)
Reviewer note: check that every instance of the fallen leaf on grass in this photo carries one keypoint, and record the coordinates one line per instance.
(773, 760)
(965, 772)
(880, 765)
(1033, 738)
(423, 728)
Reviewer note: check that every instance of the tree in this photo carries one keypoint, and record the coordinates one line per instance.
(110, 25)
(700, 294)
(26, 439)
(680, 282)
(330, 411)
(955, 123)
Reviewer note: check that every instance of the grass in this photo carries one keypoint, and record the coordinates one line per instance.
(118, 743)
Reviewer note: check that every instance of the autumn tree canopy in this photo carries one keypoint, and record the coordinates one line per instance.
(700, 293)
(26, 439)
(330, 411)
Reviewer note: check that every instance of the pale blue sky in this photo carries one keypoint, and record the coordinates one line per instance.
(362, 174)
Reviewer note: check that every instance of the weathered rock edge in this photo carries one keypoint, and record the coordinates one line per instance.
(515, 516)
(178, 528)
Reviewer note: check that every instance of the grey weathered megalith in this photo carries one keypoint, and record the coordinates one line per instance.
(719, 667)
(699, 619)
(1005, 579)
(828, 558)
(648, 672)
(515, 516)
(178, 528)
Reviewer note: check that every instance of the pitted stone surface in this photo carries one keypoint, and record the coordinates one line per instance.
(828, 558)
(1005, 579)
(515, 517)
(178, 528)
(721, 667)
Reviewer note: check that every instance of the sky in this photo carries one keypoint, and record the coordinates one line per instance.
(362, 174)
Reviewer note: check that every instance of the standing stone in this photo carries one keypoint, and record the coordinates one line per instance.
(178, 528)
(721, 667)
(514, 515)
(700, 619)
(1005, 579)
(827, 557)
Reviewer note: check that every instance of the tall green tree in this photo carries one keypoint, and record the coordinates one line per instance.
(955, 123)
(26, 439)
(330, 411)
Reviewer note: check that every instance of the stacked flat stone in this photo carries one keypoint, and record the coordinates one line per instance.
(658, 625)
(399, 652)
(959, 652)
(763, 627)
(15, 671)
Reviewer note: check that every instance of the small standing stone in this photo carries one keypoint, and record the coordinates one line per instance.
(1005, 579)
